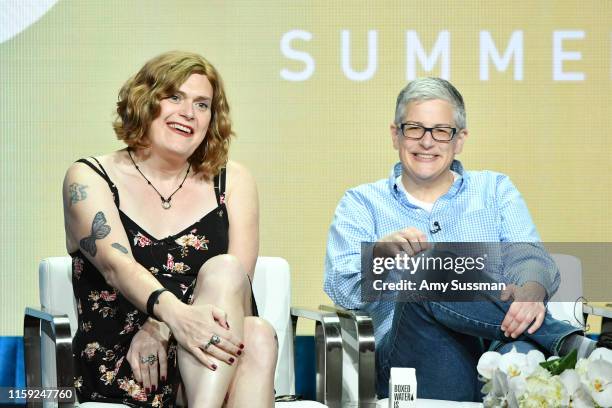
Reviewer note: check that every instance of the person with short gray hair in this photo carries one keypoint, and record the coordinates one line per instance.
(428, 199)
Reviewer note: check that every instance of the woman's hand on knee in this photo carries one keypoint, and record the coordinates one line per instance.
(204, 332)
(148, 356)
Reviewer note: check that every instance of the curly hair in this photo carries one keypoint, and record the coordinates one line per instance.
(159, 78)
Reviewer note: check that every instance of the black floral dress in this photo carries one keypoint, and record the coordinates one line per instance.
(107, 322)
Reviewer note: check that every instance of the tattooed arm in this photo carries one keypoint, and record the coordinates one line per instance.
(92, 225)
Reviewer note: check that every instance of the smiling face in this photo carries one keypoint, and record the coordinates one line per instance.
(183, 118)
(427, 162)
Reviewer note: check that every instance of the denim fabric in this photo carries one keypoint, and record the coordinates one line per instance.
(442, 340)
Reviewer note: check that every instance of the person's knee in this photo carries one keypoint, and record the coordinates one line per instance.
(261, 343)
(223, 274)
(519, 346)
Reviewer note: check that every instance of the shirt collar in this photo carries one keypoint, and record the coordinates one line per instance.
(456, 166)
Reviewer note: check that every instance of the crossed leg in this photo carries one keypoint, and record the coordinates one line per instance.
(253, 383)
(223, 283)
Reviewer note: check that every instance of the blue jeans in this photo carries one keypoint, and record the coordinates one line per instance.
(443, 341)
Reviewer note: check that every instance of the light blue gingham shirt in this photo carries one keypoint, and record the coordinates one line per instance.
(480, 206)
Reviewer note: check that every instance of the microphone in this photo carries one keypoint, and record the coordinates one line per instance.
(437, 228)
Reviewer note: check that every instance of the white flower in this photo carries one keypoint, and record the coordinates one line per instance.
(499, 383)
(571, 381)
(598, 381)
(519, 364)
(575, 391)
(488, 363)
(601, 353)
(516, 380)
(582, 366)
(534, 358)
(543, 390)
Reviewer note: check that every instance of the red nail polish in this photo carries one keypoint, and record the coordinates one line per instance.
(147, 390)
(231, 360)
(163, 379)
(239, 352)
(153, 388)
(214, 367)
(241, 346)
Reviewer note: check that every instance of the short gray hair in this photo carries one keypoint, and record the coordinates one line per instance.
(426, 89)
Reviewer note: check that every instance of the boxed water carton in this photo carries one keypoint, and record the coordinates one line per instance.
(402, 388)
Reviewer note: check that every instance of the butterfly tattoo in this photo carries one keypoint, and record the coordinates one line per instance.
(99, 230)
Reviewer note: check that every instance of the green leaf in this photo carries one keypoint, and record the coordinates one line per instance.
(557, 366)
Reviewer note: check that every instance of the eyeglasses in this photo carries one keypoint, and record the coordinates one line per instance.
(416, 132)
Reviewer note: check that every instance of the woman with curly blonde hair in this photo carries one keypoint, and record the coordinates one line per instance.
(164, 239)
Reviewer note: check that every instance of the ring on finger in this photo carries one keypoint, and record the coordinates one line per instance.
(150, 359)
(214, 340)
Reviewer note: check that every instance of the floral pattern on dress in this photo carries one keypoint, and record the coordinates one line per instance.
(157, 401)
(101, 302)
(78, 382)
(129, 322)
(77, 267)
(90, 350)
(141, 240)
(132, 389)
(197, 242)
(178, 267)
(108, 376)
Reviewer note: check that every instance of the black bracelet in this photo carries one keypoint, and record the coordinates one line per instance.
(153, 300)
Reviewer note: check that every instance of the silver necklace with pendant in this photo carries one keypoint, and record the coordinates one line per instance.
(165, 202)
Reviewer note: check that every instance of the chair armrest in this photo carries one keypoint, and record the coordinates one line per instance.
(57, 327)
(328, 353)
(604, 311)
(358, 339)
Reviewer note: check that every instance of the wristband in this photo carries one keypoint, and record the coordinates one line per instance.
(153, 300)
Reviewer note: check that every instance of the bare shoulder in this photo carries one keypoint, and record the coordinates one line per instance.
(238, 176)
(81, 178)
(108, 161)
(79, 172)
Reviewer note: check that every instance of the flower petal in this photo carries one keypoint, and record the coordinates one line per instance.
(570, 380)
(601, 353)
(488, 363)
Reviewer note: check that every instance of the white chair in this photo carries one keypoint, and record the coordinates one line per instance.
(358, 376)
(48, 334)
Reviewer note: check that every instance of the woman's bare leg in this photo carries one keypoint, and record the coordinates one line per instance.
(223, 283)
(253, 383)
